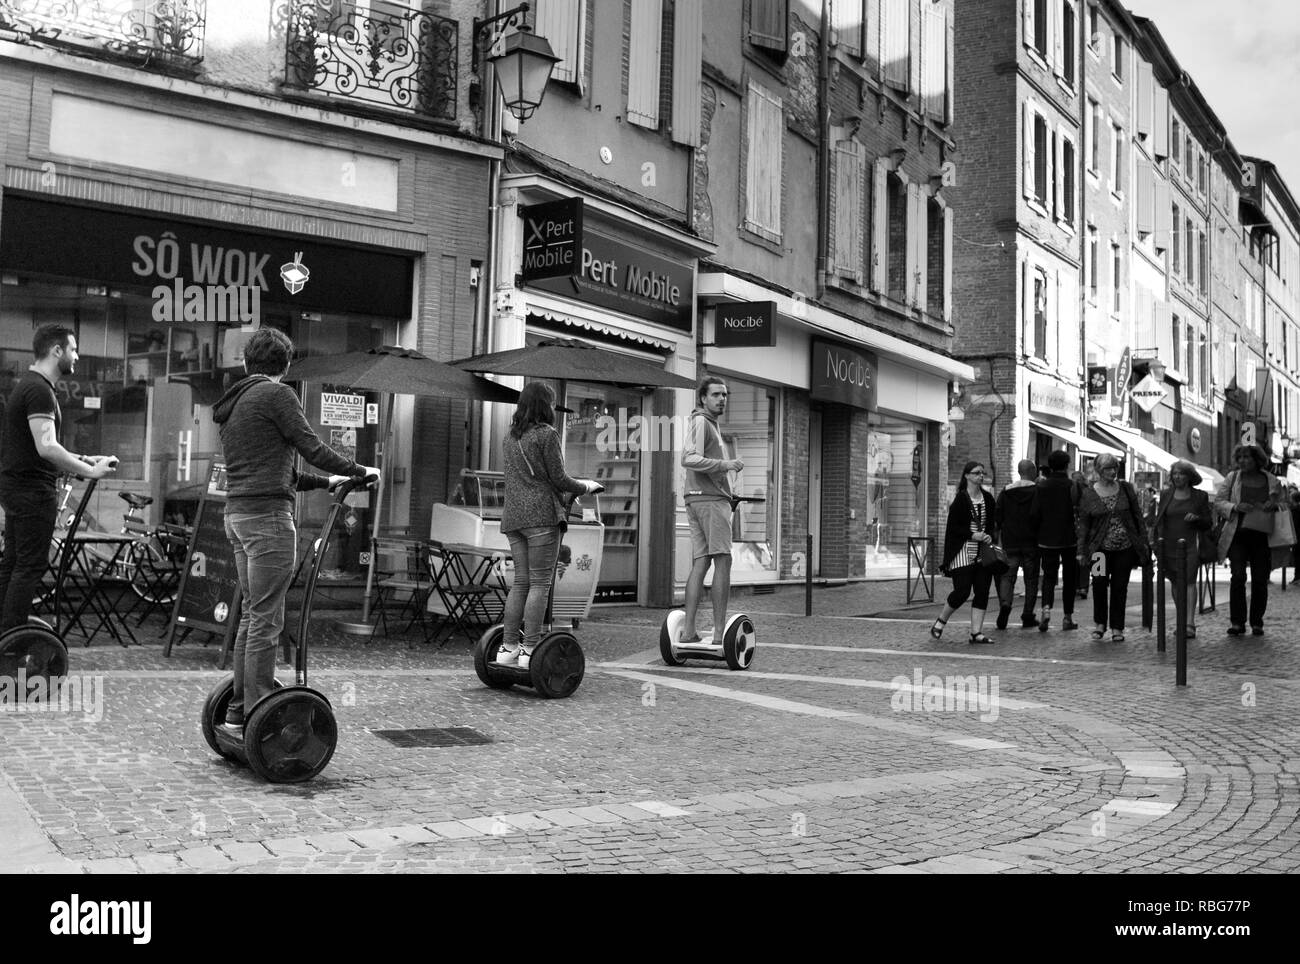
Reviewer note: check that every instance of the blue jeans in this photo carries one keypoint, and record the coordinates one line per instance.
(533, 550)
(1249, 553)
(29, 529)
(266, 548)
(1026, 559)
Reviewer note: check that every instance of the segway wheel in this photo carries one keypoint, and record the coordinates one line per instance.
(738, 643)
(35, 652)
(668, 634)
(214, 713)
(557, 665)
(485, 654)
(290, 735)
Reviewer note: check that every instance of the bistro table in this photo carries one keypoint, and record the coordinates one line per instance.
(470, 582)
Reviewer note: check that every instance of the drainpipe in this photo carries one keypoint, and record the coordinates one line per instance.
(1081, 194)
(823, 145)
(487, 279)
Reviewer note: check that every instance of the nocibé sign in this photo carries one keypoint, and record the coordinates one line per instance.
(843, 374)
(745, 324)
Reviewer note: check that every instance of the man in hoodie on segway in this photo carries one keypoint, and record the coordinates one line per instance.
(263, 429)
(1020, 541)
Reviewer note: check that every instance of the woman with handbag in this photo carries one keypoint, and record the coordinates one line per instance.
(531, 517)
(969, 534)
(1184, 513)
(1110, 523)
(1249, 500)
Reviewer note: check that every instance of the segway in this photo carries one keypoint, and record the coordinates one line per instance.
(557, 664)
(290, 734)
(739, 640)
(39, 649)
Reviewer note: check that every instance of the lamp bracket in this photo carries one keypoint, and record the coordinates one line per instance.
(493, 29)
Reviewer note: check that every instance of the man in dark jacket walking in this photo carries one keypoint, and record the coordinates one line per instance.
(1052, 515)
(1020, 540)
(263, 429)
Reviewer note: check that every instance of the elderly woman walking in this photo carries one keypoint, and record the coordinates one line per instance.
(1110, 523)
(1183, 513)
(1248, 499)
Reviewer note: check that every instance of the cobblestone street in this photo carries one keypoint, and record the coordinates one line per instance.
(1076, 756)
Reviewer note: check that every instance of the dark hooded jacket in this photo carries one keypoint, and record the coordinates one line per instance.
(1055, 499)
(1013, 515)
(262, 428)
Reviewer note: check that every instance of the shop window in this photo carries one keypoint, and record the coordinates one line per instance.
(895, 491)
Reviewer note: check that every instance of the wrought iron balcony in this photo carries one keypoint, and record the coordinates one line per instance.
(152, 31)
(384, 54)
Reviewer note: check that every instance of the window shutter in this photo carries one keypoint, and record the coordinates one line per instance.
(769, 24)
(1160, 121)
(763, 163)
(1145, 82)
(872, 39)
(1054, 31)
(879, 227)
(934, 40)
(1050, 353)
(1058, 180)
(688, 39)
(643, 62)
(893, 42)
(846, 20)
(560, 22)
(947, 264)
(1164, 220)
(919, 231)
(948, 54)
(1146, 198)
(1028, 39)
(1029, 152)
(1027, 303)
(913, 33)
(1164, 322)
(850, 174)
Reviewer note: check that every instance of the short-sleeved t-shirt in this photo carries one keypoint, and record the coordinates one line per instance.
(20, 463)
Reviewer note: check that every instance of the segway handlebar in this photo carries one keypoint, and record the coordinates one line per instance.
(737, 499)
(112, 464)
(348, 486)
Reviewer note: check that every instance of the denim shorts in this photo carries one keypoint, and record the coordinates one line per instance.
(710, 521)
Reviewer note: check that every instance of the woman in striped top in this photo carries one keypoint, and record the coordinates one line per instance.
(970, 523)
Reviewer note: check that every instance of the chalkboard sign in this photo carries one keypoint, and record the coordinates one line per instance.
(208, 596)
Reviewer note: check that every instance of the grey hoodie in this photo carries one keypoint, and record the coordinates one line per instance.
(262, 428)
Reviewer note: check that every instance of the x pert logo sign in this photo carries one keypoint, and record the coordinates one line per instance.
(552, 239)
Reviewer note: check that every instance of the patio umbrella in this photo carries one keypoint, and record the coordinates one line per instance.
(396, 371)
(565, 359)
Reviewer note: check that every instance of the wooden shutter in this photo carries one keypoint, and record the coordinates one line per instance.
(949, 90)
(880, 227)
(688, 41)
(909, 245)
(643, 62)
(763, 163)
(1027, 304)
(1028, 39)
(1054, 37)
(847, 20)
(1160, 121)
(1164, 216)
(918, 233)
(560, 22)
(947, 263)
(1146, 198)
(850, 160)
(914, 47)
(1145, 83)
(768, 24)
(1029, 151)
(893, 42)
(872, 40)
(934, 42)
(1164, 322)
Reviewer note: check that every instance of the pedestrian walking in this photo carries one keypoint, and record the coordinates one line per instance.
(1184, 512)
(1015, 525)
(1295, 524)
(971, 525)
(1053, 513)
(531, 518)
(1110, 524)
(1080, 483)
(1248, 499)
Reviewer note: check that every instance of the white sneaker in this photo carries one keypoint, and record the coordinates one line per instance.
(524, 657)
(507, 657)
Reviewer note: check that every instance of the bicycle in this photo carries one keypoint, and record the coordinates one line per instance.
(150, 566)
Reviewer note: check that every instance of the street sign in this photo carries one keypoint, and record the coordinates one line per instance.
(1149, 393)
(552, 239)
(1096, 381)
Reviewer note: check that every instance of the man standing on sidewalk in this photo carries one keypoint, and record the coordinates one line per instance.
(1020, 540)
(31, 459)
(263, 429)
(708, 506)
(1055, 499)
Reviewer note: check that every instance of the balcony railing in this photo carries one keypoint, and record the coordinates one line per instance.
(379, 53)
(160, 31)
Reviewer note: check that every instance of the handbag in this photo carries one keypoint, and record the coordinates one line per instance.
(1283, 534)
(994, 558)
(1259, 520)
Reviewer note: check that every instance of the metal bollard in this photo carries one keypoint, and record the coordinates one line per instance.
(807, 579)
(1180, 615)
(1160, 595)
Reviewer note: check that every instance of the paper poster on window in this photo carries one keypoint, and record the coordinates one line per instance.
(345, 410)
(344, 441)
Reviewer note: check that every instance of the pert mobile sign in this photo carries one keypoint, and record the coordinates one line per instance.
(843, 374)
(552, 239)
(746, 324)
